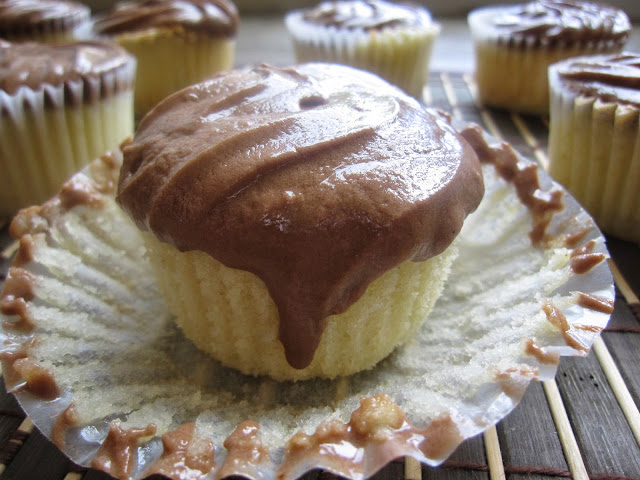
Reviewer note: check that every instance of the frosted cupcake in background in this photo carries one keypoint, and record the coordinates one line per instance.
(49, 21)
(392, 41)
(60, 107)
(514, 46)
(177, 43)
(594, 141)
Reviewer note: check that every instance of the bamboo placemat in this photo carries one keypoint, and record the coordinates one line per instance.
(585, 424)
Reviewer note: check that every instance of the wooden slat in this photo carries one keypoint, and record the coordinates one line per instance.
(565, 433)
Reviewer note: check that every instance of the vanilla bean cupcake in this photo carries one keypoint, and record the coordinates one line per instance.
(60, 107)
(514, 46)
(49, 21)
(390, 40)
(594, 141)
(176, 42)
(302, 218)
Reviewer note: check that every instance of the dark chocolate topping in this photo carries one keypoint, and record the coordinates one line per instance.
(570, 21)
(611, 78)
(317, 178)
(367, 15)
(38, 66)
(214, 17)
(22, 16)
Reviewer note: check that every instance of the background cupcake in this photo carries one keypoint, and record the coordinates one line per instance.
(60, 106)
(51, 21)
(393, 41)
(514, 46)
(176, 43)
(594, 142)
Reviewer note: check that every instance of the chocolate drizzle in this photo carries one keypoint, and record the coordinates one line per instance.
(555, 22)
(316, 199)
(212, 17)
(366, 15)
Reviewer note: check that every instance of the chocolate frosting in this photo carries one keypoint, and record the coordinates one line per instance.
(367, 15)
(611, 78)
(214, 17)
(567, 20)
(35, 66)
(20, 16)
(316, 178)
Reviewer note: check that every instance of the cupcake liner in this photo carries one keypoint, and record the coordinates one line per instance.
(184, 58)
(50, 133)
(594, 151)
(511, 71)
(93, 319)
(229, 313)
(399, 55)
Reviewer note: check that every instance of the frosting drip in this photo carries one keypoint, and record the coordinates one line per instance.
(16, 16)
(317, 179)
(367, 15)
(607, 77)
(214, 17)
(35, 65)
(563, 20)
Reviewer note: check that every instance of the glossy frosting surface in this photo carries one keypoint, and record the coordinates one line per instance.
(16, 15)
(317, 178)
(33, 65)
(560, 20)
(607, 77)
(216, 17)
(367, 15)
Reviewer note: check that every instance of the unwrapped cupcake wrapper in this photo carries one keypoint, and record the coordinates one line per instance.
(48, 134)
(399, 55)
(594, 151)
(511, 72)
(126, 373)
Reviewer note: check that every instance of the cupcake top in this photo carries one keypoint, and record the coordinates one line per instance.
(366, 15)
(20, 17)
(214, 17)
(611, 78)
(38, 66)
(316, 178)
(554, 21)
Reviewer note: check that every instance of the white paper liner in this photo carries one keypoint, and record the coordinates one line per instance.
(104, 332)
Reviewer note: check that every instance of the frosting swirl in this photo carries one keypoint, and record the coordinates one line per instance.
(613, 78)
(214, 17)
(18, 16)
(316, 178)
(555, 20)
(366, 15)
(35, 66)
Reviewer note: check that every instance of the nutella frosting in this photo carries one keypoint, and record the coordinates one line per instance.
(214, 17)
(18, 17)
(367, 15)
(611, 78)
(316, 178)
(37, 66)
(568, 21)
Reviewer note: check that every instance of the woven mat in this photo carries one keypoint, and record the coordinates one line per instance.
(584, 424)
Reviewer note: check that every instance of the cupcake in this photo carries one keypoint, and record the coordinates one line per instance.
(50, 21)
(514, 46)
(301, 219)
(393, 41)
(176, 42)
(594, 140)
(60, 106)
